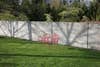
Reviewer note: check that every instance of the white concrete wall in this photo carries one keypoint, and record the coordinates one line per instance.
(70, 33)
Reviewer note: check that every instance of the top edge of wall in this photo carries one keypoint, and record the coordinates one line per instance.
(97, 22)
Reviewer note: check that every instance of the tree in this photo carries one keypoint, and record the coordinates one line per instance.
(93, 10)
(35, 10)
(98, 11)
(55, 4)
(4, 6)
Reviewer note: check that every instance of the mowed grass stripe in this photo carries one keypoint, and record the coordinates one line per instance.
(16, 52)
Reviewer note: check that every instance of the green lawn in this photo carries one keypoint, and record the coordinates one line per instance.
(22, 53)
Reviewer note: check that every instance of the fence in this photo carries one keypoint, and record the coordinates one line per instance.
(85, 35)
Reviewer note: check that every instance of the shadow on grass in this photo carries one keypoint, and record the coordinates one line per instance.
(8, 65)
(22, 64)
(68, 56)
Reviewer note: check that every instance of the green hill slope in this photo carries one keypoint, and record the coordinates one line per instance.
(23, 53)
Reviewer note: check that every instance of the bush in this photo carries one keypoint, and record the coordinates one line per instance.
(7, 16)
(98, 18)
(70, 14)
(22, 17)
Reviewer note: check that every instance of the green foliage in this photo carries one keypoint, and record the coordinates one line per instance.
(54, 13)
(7, 16)
(85, 18)
(4, 6)
(35, 10)
(98, 18)
(22, 17)
(76, 3)
(10, 17)
(93, 10)
(71, 14)
(48, 18)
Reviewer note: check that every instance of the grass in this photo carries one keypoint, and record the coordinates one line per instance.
(23, 53)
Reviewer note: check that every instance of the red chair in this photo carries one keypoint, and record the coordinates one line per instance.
(55, 38)
(44, 38)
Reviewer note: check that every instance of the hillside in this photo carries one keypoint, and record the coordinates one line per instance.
(22, 53)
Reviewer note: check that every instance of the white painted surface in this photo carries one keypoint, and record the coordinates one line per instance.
(74, 34)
